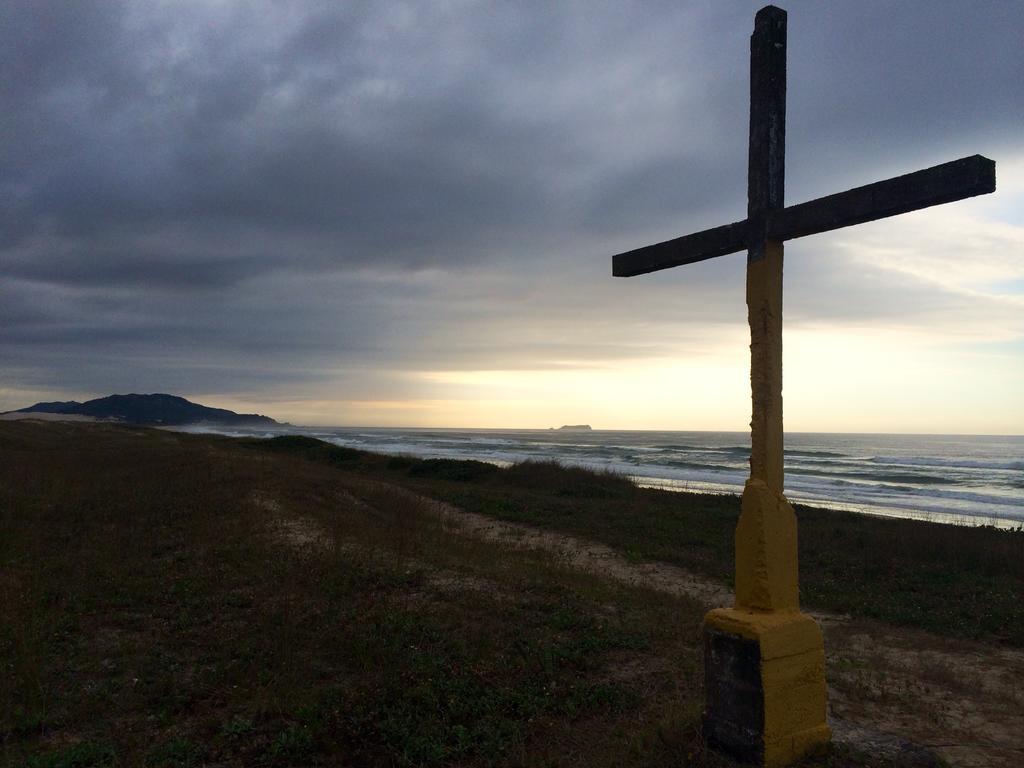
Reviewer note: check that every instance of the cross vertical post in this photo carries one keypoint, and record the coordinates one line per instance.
(766, 179)
(766, 557)
(764, 660)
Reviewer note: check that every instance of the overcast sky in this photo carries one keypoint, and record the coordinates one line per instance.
(390, 213)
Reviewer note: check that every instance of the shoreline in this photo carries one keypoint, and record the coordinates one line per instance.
(673, 485)
(895, 512)
(963, 481)
(677, 485)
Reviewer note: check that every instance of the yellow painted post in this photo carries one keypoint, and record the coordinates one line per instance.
(766, 557)
(765, 661)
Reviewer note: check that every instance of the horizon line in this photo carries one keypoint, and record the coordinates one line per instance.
(599, 429)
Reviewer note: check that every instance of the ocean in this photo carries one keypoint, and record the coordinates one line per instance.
(972, 480)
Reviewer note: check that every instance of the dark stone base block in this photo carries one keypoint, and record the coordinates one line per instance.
(764, 685)
(734, 714)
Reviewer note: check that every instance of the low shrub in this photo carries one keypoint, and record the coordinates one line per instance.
(309, 448)
(459, 470)
(568, 480)
(400, 463)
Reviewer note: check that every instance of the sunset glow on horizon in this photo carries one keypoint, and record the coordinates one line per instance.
(405, 216)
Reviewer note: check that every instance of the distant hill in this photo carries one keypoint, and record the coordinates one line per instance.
(573, 428)
(156, 409)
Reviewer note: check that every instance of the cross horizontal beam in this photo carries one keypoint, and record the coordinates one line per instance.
(699, 246)
(956, 180)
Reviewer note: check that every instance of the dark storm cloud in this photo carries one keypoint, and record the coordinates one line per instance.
(426, 146)
(252, 192)
(131, 139)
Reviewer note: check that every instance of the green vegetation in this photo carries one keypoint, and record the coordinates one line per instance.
(185, 600)
(176, 600)
(951, 580)
(307, 448)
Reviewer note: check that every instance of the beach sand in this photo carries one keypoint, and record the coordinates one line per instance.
(42, 416)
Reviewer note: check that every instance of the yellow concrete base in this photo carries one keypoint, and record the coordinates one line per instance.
(766, 550)
(765, 685)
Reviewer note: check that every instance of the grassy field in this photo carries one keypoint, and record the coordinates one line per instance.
(952, 580)
(178, 600)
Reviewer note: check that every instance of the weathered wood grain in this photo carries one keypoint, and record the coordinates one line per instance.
(699, 246)
(956, 180)
(766, 159)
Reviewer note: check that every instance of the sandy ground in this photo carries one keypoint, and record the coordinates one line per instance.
(891, 690)
(40, 416)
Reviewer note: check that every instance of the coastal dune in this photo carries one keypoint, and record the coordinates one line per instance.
(291, 601)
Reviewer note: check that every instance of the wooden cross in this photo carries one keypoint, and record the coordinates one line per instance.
(766, 568)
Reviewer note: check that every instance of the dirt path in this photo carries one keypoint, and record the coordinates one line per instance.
(890, 688)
